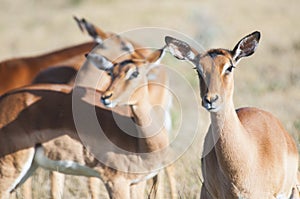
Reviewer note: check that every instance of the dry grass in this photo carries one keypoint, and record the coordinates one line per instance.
(270, 79)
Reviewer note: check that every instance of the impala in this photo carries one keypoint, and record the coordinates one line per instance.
(117, 49)
(21, 71)
(112, 46)
(18, 72)
(99, 36)
(247, 152)
(131, 87)
(43, 128)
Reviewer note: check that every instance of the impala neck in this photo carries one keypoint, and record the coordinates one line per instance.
(150, 121)
(229, 137)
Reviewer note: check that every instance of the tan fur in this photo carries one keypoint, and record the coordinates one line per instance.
(247, 152)
(73, 58)
(18, 72)
(61, 121)
(254, 157)
(97, 33)
(33, 102)
(142, 95)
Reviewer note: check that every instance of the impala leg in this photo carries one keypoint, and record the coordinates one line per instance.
(94, 184)
(26, 182)
(118, 189)
(29, 173)
(66, 167)
(57, 184)
(172, 182)
(204, 194)
(159, 192)
(26, 189)
(4, 195)
(13, 168)
(159, 183)
(295, 194)
(137, 191)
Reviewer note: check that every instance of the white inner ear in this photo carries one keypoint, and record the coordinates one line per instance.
(99, 61)
(98, 40)
(238, 51)
(107, 64)
(160, 58)
(129, 47)
(156, 63)
(175, 51)
(191, 55)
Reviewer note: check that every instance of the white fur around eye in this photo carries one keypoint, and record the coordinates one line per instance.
(129, 73)
(225, 67)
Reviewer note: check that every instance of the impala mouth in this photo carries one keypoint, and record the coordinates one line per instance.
(211, 108)
(108, 103)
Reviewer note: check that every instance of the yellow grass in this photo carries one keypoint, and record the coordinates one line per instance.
(270, 79)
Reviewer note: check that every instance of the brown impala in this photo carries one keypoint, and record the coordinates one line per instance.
(249, 153)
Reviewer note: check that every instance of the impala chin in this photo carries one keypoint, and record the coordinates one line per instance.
(211, 108)
(111, 105)
(214, 109)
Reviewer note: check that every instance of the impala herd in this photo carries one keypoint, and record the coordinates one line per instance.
(247, 153)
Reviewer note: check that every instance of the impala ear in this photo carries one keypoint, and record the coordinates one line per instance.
(99, 61)
(154, 59)
(156, 56)
(96, 33)
(181, 50)
(127, 46)
(246, 46)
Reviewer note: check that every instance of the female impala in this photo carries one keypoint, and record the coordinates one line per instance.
(21, 71)
(18, 72)
(42, 136)
(149, 100)
(247, 152)
(111, 47)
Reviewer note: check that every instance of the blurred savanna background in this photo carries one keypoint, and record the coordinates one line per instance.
(270, 79)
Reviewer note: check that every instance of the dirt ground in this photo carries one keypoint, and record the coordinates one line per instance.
(270, 79)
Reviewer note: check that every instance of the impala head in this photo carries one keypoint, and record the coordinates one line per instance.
(129, 78)
(215, 68)
(110, 40)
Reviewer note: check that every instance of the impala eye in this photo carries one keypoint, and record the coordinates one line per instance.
(132, 73)
(109, 72)
(135, 74)
(229, 69)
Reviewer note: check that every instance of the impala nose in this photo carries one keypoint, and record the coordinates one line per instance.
(211, 98)
(105, 98)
